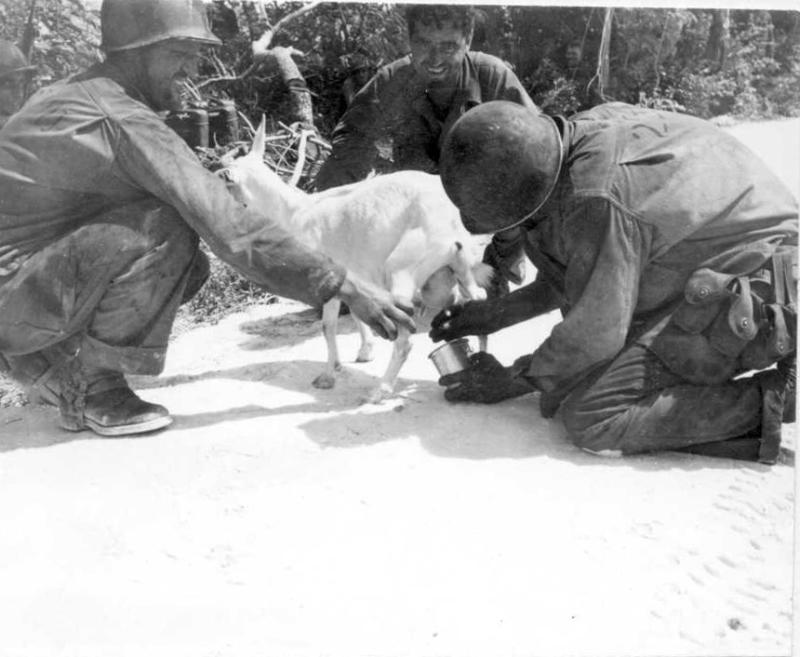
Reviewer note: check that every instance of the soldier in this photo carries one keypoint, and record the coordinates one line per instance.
(15, 75)
(400, 118)
(101, 208)
(669, 248)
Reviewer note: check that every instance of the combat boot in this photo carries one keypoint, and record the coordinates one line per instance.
(778, 401)
(120, 412)
(788, 370)
(102, 401)
(777, 406)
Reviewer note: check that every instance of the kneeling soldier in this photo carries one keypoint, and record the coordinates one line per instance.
(669, 248)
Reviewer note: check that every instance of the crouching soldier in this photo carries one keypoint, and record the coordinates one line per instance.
(669, 248)
(101, 208)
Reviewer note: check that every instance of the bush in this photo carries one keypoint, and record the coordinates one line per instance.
(552, 90)
(337, 40)
(757, 77)
(225, 291)
(707, 95)
(67, 36)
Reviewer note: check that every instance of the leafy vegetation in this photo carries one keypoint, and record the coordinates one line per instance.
(333, 41)
(66, 35)
(708, 62)
(225, 291)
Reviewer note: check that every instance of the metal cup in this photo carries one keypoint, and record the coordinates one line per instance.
(452, 356)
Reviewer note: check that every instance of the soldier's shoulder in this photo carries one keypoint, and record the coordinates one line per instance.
(486, 63)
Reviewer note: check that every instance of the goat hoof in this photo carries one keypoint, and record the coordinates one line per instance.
(364, 355)
(379, 394)
(324, 381)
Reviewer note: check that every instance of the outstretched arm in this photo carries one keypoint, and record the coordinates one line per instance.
(485, 317)
(607, 250)
(375, 307)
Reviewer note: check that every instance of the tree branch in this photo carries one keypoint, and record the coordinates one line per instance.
(261, 47)
(262, 44)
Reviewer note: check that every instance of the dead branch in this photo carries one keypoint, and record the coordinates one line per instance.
(262, 44)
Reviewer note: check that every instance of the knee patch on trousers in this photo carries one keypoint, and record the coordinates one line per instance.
(143, 226)
(162, 225)
(597, 437)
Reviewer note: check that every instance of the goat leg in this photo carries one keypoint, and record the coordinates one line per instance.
(400, 350)
(330, 318)
(367, 342)
(403, 287)
(466, 275)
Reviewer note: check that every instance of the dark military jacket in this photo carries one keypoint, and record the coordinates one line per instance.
(90, 143)
(392, 124)
(645, 201)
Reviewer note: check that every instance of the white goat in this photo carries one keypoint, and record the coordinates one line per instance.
(399, 231)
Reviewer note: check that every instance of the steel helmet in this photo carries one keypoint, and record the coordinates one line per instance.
(499, 163)
(12, 60)
(128, 24)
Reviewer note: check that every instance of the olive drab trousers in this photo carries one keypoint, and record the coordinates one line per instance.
(110, 290)
(637, 404)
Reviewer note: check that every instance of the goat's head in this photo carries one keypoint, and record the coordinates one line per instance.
(249, 179)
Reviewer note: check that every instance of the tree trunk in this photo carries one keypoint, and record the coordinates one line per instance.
(301, 106)
(603, 62)
(719, 37)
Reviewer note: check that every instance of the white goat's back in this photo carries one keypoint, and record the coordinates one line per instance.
(401, 220)
(396, 219)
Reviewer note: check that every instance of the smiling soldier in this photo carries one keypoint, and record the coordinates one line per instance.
(400, 118)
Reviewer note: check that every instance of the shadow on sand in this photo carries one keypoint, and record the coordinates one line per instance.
(510, 430)
(287, 330)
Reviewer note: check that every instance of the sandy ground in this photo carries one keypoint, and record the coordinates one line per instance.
(277, 519)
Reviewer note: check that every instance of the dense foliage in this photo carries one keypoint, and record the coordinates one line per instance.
(707, 62)
(744, 63)
(66, 35)
(336, 40)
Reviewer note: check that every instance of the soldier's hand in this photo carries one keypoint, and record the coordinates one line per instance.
(485, 381)
(375, 307)
(470, 318)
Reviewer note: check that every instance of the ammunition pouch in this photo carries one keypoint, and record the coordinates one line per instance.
(727, 324)
(775, 288)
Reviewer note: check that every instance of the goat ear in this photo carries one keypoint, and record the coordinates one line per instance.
(259, 138)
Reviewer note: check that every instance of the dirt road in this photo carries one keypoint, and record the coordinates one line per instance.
(277, 519)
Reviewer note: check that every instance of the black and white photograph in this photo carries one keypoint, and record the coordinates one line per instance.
(360, 329)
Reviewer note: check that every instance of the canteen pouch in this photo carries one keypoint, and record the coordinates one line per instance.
(775, 285)
(727, 323)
